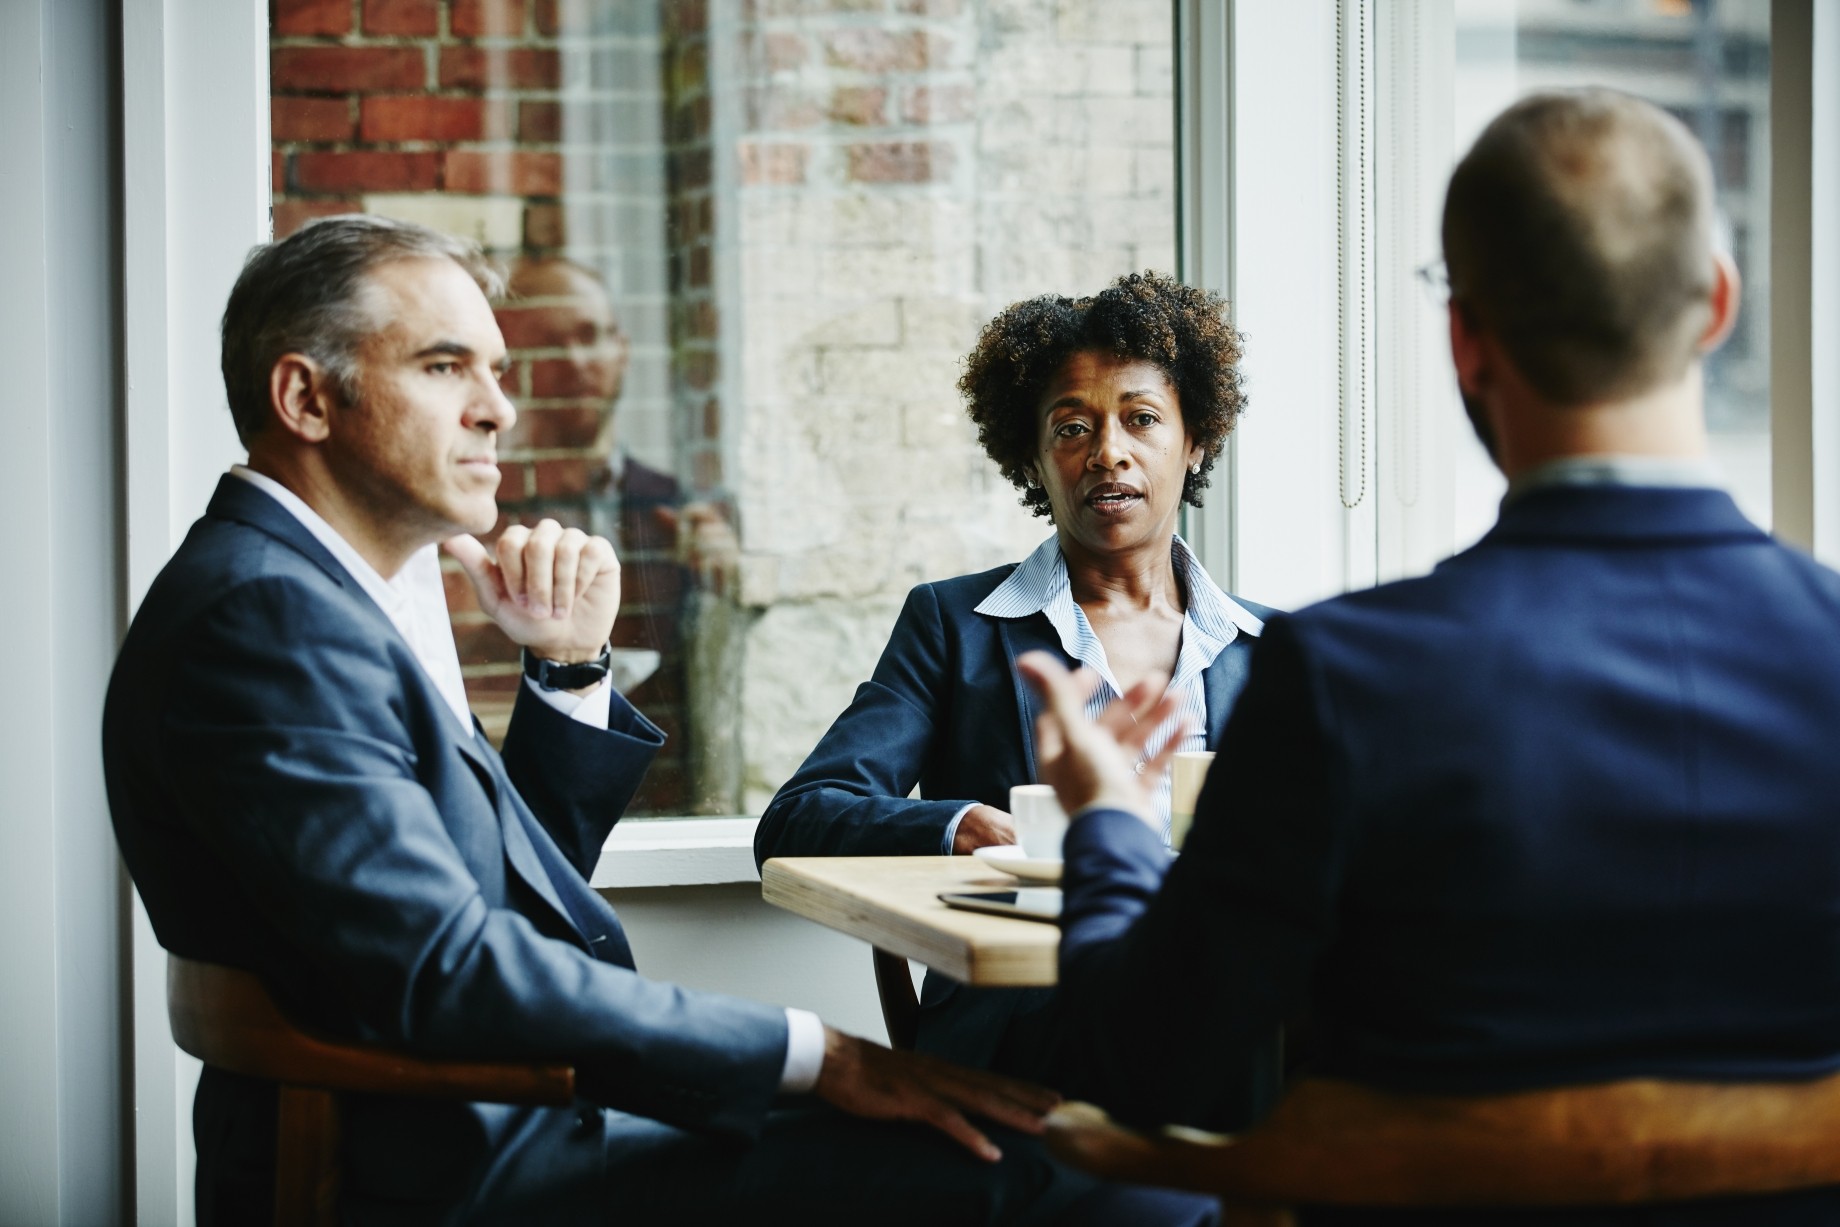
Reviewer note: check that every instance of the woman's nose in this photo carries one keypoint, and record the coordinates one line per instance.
(1108, 448)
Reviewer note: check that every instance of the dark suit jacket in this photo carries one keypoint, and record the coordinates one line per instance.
(1567, 809)
(293, 797)
(945, 709)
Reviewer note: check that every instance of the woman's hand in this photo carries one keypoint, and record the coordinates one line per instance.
(981, 827)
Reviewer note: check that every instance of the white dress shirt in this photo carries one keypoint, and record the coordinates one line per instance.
(415, 602)
(1211, 621)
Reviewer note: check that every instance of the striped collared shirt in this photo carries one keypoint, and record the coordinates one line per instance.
(1212, 621)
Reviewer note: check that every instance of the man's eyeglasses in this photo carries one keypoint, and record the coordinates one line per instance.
(1435, 278)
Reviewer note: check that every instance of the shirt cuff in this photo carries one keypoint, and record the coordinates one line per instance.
(952, 829)
(592, 708)
(804, 1051)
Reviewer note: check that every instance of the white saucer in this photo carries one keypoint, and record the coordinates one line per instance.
(1011, 859)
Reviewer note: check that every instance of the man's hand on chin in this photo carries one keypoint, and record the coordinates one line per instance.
(1093, 763)
(868, 1080)
(553, 590)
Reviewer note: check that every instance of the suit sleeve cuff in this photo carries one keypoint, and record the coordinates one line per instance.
(952, 829)
(804, 1052)
(592, 708)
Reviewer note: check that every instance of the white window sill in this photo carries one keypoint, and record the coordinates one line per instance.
(677, 852)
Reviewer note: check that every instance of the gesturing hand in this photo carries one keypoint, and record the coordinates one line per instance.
(552, 590)
(1093, 762)
(871, 1081)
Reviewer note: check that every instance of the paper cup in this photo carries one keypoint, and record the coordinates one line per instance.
(1040, 822)
(1187, 772)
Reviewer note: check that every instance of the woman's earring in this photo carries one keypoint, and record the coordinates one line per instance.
(1195, 468)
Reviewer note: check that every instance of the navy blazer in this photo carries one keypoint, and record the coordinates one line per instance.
(1566, 810)
(946, 709)
(293, 796)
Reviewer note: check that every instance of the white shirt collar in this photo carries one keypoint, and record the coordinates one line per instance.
(1034, 585)
(415, 601)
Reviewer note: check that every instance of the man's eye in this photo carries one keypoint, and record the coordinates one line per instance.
(443, 368)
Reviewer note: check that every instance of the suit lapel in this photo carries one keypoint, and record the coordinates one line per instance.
(1031, 634)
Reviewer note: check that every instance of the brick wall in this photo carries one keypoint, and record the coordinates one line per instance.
(535, 127)
(804, 210)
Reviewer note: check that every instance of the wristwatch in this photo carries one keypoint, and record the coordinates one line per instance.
(556, 675)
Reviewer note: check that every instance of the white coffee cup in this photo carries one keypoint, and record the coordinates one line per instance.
(1187, 773)
(1041, 824)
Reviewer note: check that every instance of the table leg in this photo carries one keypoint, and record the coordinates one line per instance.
(900, 1007)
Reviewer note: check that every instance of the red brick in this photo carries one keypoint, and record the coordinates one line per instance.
(422, 117)
(683, 17)
(688, 169)
(309, 119)
(562, 17)
(768, 110)
(312, 16)
(540, 121)
(690, 69)
(783, 51)
(562, 478)
(701, 269)
(863, 105)
(344, 70)
(872, 50)
(762, 164)
(712, 420)
(500, 68)
(533, 327)
(939, 104)
(573, 427)
(366, 171)
(481, 643)
(291, 215)
(277, 171)
(461, 598)
(544, 226)
(412, 17)
(699, 367)
(481, 18)
(555, 379)
(900, 162)
(521, 174)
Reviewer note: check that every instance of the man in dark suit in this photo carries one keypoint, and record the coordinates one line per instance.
(299, 790)
(1565, 809)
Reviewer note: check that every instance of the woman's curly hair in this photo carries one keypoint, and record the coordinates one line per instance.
(1143, 316)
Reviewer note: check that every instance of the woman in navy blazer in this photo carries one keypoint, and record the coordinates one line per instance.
(1107, 413)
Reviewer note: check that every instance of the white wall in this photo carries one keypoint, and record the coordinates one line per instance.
(63, 1140)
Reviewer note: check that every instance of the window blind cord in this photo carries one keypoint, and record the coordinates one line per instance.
(1360, 138)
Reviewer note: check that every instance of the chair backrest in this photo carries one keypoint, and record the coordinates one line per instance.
(1618, 1143)
(225, 1018)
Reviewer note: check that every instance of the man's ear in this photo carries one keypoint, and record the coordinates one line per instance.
(1468, 353)
(1724, 302)
(301, 395)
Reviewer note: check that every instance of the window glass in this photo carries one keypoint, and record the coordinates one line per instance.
(751, 241)
(1706, 61)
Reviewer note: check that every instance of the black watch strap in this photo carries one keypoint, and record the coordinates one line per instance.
(555, 675)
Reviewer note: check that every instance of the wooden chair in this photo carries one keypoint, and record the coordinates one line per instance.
(894, 983)
(226, 1019)
(1617, 1143)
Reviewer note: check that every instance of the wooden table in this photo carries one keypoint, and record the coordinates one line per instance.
(892, 903)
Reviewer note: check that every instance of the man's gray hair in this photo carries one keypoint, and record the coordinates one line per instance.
(1578, 230)
(307, 295)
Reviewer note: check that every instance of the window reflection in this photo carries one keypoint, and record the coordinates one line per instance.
(751, 241)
